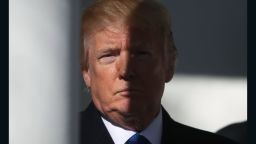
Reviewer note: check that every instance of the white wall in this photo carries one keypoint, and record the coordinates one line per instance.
(42, 86)
(206, 102)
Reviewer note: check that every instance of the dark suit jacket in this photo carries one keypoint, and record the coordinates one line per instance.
(93, 131)
(236, 132)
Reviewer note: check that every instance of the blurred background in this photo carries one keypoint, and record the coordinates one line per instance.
(208, 91)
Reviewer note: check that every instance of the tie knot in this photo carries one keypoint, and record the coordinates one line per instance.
(137, 139)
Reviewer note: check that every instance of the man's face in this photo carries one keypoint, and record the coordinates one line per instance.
(126, 74)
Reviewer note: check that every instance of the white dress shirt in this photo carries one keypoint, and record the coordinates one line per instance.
(153, 132)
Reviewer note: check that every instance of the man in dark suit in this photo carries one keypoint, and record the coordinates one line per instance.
(127, 56)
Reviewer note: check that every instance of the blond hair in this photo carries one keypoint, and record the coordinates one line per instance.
(147, 14)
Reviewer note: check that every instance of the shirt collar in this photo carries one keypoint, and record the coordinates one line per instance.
(153, 132)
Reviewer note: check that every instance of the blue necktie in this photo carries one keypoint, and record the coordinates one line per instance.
(137, 139)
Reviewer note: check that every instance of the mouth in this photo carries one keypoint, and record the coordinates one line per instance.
(127, 92)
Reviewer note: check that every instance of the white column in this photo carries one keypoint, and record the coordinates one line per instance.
(44, 81)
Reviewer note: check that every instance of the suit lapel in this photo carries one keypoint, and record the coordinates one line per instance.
(92, 129)
(171, 133)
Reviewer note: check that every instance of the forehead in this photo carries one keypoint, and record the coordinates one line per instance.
(122, 34)
(113, 32)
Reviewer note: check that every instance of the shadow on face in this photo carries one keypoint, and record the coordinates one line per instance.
(127, 66)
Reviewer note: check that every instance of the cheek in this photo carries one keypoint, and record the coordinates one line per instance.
(153, 78)
(104, 75)
(102, 82)
(153, 68)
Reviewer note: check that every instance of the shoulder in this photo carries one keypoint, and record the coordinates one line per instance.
(90, 113)
(87, 120)
(92, 129)
(236, 131)
(179, 133)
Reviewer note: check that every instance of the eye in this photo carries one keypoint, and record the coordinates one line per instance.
(143, 54)
(107, 58)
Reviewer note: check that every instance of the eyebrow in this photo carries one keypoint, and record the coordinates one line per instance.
(107, 50)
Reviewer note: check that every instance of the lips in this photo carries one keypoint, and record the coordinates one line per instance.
(127, 91)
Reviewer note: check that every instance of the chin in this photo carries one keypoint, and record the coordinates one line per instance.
(128, 116)
(124, 108)
(129, 111)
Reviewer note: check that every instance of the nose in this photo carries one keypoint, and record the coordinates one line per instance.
(125, 67)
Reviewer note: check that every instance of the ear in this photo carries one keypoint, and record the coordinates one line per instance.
(169, 74)
(87, 78)
(169, 71)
